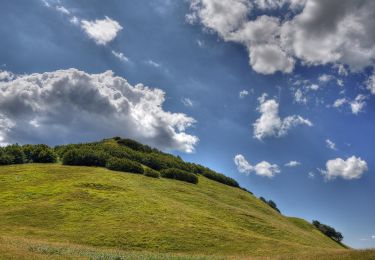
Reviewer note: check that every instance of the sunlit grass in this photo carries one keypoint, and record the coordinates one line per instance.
(96, 207)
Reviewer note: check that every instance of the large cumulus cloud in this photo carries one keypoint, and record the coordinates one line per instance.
(72, 105)
(313, 31)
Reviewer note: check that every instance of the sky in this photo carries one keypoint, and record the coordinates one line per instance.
(279, 95)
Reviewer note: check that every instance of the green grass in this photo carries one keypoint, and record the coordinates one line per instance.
(95, 208)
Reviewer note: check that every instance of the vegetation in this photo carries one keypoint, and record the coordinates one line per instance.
(16, 154)
(154, 159)
(124, 165)
(210, 174)
(151, 173)
(96, 207)
(328, 231)
(85, 157)
(178, 174)
(39, 153)
(270, 203)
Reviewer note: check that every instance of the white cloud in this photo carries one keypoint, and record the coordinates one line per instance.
(62, 10)
(267, 59)
(299, 97)
(342, 70)
(270, 124)
(153, 63)
(373, 236)
(324, 78)
(200, 43)
(357, 104)
(339, 102)
(6, 75)
(243, 93)
(311, 175)
(187, 102)
(331, 145)
(371, 84)
(120, 56)
(340, 82)
(74, 20)
(263, 168)
(320, 32)
(351, 168)
(101, 31)
(71, 105)
(292, 164)
(313, 87)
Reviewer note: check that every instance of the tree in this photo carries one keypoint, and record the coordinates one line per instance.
(328, 231)
(16, 153)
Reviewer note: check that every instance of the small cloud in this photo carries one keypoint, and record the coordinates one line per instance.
(153, 63)
(340, 82)
(313, 87)
(101, 31)
(331, 145)
(45, 3)
(311, 175)
(74, 20)
(342, 70)
(372, 236)
(270, 124)
(339, 102)
(262, 169)
(120, 56)
(187, 102)
(299, 97)
(357, 104)
(371, 84)
(324, 78)
(243, 93)
(292, 164)
(351, 168)
(200, 43)
(62, 10)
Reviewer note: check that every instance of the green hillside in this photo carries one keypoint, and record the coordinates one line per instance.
(165, 208)
(98, 207)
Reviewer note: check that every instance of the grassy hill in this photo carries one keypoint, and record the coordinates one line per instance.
(50, 210)
(102, 208)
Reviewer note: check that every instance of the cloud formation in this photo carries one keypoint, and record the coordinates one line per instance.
(331, 145)
(292, 164)
(356, 106)
(243, 93)
(71, 105)
(270, 123)
(120, 56)
(351, 168)
(101, 31)
(263, 168)
(315, 32)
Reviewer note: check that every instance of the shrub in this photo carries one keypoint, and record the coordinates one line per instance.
(124, 165)
(85, 157)
(178, 174)
(151, 173)
(212, 175)
(270, 203)
(328, 231)
(5, 159)
(39, 153)
(16, 153)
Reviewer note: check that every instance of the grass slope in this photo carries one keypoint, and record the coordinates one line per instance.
(97, 207)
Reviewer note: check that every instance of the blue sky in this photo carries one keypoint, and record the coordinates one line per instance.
(244, 91)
